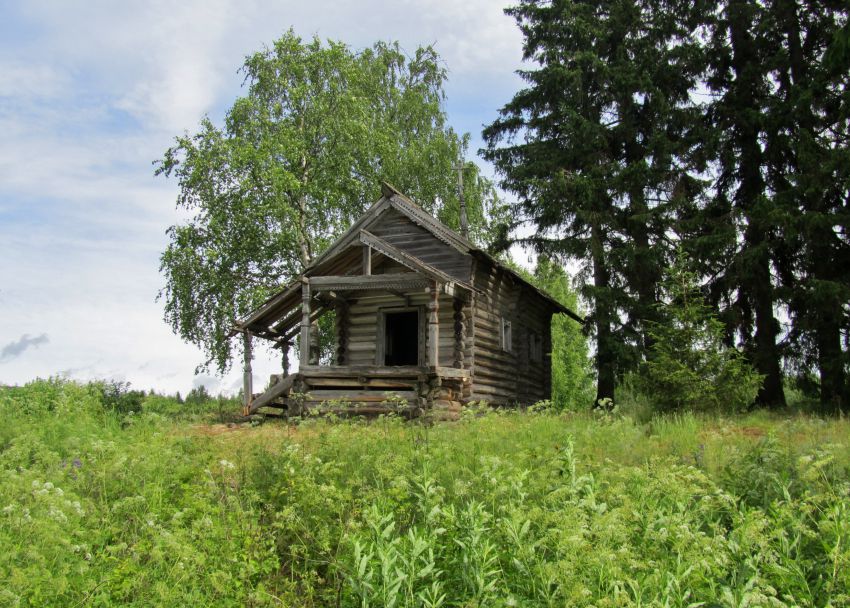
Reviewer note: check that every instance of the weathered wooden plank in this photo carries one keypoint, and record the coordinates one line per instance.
(367, 260)
(433, 349)
(402, 257)
(275, 392)
(400, 282)
(375, 383)
(359, 396)
(247, 376)
(305, 322)
(363, 370)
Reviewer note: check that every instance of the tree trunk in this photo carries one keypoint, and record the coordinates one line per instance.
(605, 348)
(825, 310)
(644, 271)
(754, 277)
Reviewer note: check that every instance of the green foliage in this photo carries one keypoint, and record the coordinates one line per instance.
(197, 395)
(298, 158)
(720, 126)
(118, 397)
(688, 367)
(598, 149)
(499, 509)
(572, 387)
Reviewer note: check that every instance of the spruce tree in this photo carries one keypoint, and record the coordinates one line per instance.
(596, 148)
(740, 81)
(810, 175)
(690, 367)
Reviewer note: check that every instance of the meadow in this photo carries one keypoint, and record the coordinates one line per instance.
(162, 504)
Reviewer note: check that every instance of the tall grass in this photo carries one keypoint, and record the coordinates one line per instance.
(499, 509)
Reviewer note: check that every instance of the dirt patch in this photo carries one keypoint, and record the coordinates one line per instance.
(230, 437)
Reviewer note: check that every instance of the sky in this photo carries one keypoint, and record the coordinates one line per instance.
(91, 93)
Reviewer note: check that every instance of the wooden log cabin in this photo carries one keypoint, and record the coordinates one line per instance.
(424, 321)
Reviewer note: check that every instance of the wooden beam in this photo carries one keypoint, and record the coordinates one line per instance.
(383, 282)
(274, 392)
(459, 333)
(284, 354)
(348, 371)
(403, 258)
(305, 322)
(367, 260)
(433, 352)
(342, 330)
(275, 300)
(294, 331)
(247, 374)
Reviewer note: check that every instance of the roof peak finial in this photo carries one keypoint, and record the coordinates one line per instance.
(464, 220)
(388, 190)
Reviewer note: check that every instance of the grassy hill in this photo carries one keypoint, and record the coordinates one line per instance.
(162, 505)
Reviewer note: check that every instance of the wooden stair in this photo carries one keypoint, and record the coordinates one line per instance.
(276, 396)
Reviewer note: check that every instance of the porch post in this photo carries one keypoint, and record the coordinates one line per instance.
(342, 327)
(367, 260)
(305, 322)
(460, 333)
(434, 326)
(247, 374)
(284, 353)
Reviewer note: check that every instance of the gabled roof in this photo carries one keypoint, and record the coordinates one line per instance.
(276, 307)
(393, 199)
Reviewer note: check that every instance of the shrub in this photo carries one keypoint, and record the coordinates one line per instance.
(688, 366)
(117, 397)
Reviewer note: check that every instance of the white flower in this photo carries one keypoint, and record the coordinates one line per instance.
(48, 486)
(57, 515)
(8, 509)
(226, 464)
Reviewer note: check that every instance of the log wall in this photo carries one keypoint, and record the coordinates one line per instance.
(364, 316)
(502, 377)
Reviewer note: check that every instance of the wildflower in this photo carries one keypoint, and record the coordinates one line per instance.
(57, 515)
(226, 464)
(48, 486)
(8, 509)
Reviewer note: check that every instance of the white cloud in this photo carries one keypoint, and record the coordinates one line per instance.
(30, 81)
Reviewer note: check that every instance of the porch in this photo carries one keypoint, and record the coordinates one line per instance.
(365, 390)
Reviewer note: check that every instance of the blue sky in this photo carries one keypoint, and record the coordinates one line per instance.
(92, 92)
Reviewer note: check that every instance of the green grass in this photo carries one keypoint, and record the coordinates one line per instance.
(165, 507)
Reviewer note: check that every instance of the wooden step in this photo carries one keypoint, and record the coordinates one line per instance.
(376, 383)
(361, 396)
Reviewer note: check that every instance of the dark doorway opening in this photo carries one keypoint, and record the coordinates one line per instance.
(401, 337)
